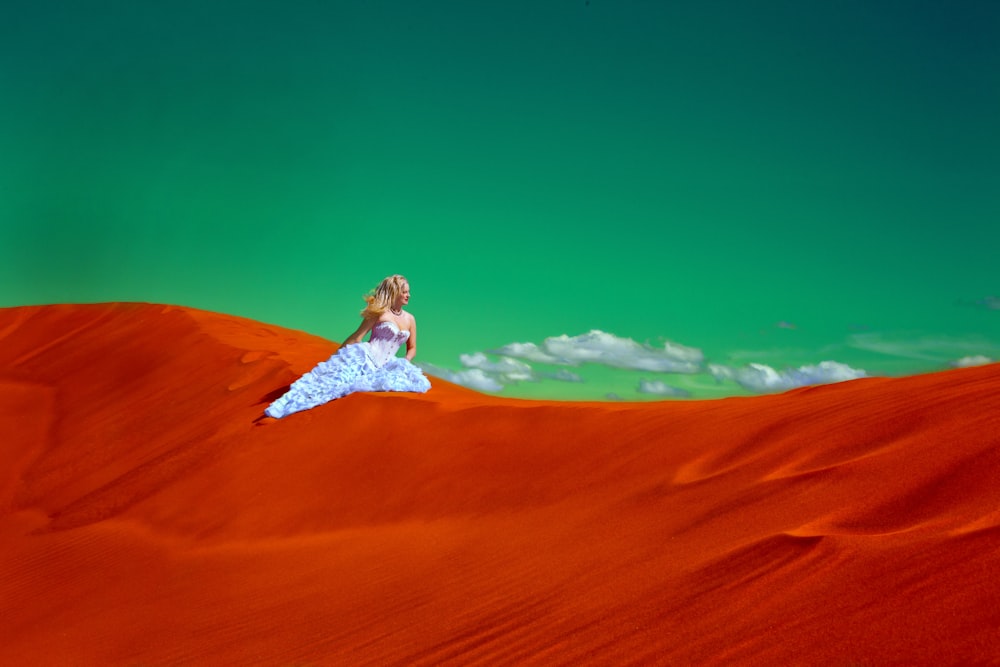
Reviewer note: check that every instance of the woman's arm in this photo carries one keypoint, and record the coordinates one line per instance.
(366, 326)
(411, 342)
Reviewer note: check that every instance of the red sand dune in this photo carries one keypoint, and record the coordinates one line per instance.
(148, 520)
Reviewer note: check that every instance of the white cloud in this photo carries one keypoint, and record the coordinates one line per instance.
(473, 378)
(761, 378)
(528, 351)
(563, 375)
(508, 369)
(482, 374)
(660, 388)
(973, 360)
(598, 347)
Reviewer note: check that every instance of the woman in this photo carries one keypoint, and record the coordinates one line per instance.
(364, 366)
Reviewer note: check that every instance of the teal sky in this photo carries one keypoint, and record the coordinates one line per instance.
(775, 183)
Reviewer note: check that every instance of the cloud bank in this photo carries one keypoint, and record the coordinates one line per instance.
(974, 360)
(761, 378)
(939, 350)
(472, 378)
(514, 363)
(506, 369)
(661, 388)
(599, 347)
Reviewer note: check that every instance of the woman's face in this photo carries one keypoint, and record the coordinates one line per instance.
(403, 297)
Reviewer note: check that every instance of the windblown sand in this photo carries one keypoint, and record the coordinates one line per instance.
(148, 519)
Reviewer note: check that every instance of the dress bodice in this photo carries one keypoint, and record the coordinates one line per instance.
(385, 339)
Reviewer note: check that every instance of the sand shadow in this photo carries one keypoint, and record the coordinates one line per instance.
(272, 396)
(267, 399)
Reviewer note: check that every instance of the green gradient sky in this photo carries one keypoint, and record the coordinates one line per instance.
(688, 171)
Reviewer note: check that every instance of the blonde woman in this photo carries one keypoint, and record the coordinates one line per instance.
(359, 365)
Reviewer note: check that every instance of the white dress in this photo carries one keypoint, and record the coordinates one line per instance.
(368, 366)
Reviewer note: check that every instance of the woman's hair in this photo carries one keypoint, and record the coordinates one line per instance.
(382, 297)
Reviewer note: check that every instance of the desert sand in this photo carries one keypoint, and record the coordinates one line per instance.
(149, 518)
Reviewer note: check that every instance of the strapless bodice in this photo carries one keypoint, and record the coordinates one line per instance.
(385, 339)
(389, 330)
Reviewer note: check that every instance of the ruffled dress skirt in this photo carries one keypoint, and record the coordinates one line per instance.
(351, 369)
